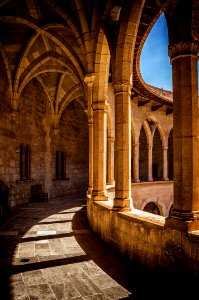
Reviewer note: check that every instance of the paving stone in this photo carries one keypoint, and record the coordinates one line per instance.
(83, 284)
(117, 292)
(33, 278)
(41, 292)
(65, 291)
(53, 275)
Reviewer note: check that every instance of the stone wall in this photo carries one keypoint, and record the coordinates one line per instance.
(33, 126)
(73, 140)
(152, 241)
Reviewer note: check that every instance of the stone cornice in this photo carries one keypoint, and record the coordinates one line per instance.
(183, 49)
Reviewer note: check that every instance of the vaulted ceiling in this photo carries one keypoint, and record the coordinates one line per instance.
(55, 42)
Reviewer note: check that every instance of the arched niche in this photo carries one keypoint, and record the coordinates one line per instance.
(143, 155)
(170, 155)
(152, 208)
(157, 164)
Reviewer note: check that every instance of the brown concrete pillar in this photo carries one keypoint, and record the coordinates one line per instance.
(99, 151)
(136, 162)
(89, 80)
(165, 163)
(122, 147)
(110, 160)
(185, 130)
(150, 161)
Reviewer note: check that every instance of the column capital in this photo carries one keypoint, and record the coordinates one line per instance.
(135, 145)
(89, 79)
(165, 148)
(99, 105)
(14, 115)
(120, 87)
(149, 146)
(182, 49)
(111, 138)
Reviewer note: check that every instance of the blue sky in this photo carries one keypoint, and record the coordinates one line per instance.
(154, 63)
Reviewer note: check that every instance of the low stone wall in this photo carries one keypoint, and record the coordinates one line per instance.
(159, 192)
(155, 242)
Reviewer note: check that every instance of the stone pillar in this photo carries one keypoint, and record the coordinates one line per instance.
(122, 199)
(136, 162)
(185, 130)
(89, 80)
(165, 163)
(150, 161)
(99, 150)
(110, 160)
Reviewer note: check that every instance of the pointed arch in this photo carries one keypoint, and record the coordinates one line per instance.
(101, 69)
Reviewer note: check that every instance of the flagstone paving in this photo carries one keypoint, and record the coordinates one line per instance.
(48, 251)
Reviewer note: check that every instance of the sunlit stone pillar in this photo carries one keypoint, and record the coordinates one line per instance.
(110, 160)
(136, 162)
(150, 161)
(99, 150)
(185, 130)
(165, 163)
(122, 147)
(89, 80)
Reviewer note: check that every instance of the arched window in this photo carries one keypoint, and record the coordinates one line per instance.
(143, 156)
(25, 162)
(157, 165)
(170, 155)
(152, 208)
(60, 165)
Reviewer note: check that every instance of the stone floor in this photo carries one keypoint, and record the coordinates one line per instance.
(48, 251)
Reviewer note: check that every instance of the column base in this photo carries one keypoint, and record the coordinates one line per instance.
(136, 181)
(185, 215)
(183, 220)
(150, 179)
(99, 196)
(121, 204)
(90, 189)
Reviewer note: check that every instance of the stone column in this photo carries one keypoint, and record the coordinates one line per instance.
(89, 80)
(122, 199)
(185, 130)
(110, 160)
(99, 150)
(136, 162)
(165, 163)
(150, 161)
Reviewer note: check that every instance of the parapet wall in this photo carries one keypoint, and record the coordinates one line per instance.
(148, 240)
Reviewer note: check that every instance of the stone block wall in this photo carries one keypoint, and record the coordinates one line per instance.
(73, 140)
(159, 192)
(154, 242)
(33, 126)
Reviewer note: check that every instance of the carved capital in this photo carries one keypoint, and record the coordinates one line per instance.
(111, 139)
(122, 88)
(149, 147)
(164, 148)
(14, 115)
(183, 49)
(90, 120)
(89, 79)
(100, 105)
(135, 145)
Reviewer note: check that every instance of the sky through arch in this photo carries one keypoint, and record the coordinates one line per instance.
(155, 64)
